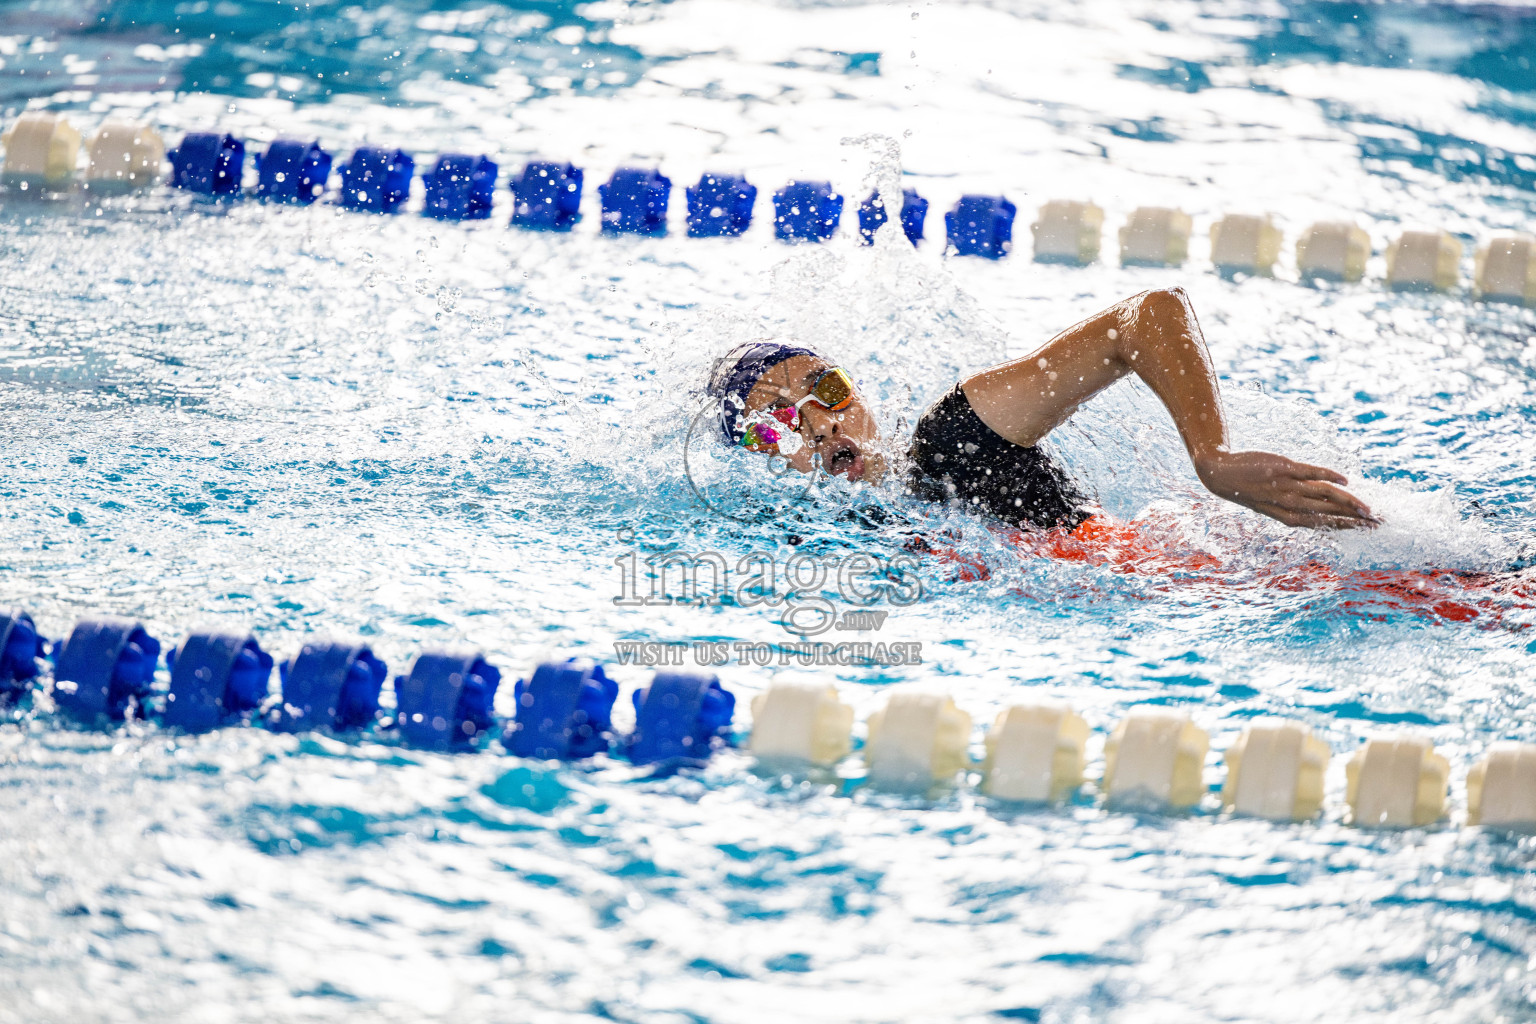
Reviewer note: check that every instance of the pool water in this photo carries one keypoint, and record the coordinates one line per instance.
(312, 421)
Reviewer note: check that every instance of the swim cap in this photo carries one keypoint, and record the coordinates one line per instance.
(734, 375)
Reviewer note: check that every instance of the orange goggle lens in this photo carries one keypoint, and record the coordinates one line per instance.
(833, 389)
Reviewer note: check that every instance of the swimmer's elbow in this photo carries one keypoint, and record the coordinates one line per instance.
(1160, 313)
(1163, 301)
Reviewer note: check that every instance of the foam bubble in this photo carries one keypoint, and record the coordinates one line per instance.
(1420, 530)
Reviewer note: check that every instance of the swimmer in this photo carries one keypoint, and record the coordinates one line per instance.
(977, 446)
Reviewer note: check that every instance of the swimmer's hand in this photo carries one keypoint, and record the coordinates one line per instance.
(1293, 492)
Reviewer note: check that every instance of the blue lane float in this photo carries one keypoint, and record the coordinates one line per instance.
(291, 171)
(329, 686)
(460, 187)
(871, 218)
(377, 180)
(208, 163)
(806, 211)
(720, 205)
(105, 667)
(914, 215)
(564, 710)
(21, 650)
(681, 716)
(635, 202)
(215, 677)
(546, 196)
(445, 703)
(914, 211)
(981, 226)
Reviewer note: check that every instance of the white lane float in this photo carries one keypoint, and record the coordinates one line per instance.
(1275, 770)
(41, 151)
(1156, 756)
(1396, 782)
(1155, 236)
(1501, 788)
(1506, 269)
(107, 672)
(919, 738)
(1242, 243)
(1067, 231)
(1334, 251)
(1424, 261)
(801, 722)
(124, 155)
(1035, 752)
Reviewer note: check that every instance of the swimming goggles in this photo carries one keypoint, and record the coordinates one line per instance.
(833, 390)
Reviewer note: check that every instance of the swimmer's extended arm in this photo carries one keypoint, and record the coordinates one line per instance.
(1155, 335)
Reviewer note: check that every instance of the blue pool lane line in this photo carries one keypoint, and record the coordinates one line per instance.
(720, 205)
(914, 212)
(376, 179)
(329, 685)
(208, 163)
(460, 187)
(547, 196)
(680, 717)
(634, 202)
(105, 670)
(564, 710)
(806, 211)
(22, 650)
(445, 703)
(292, 171)
(215, 676)
(981, 226)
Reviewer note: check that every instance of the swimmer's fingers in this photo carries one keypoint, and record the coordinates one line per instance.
(1312, 519)
(1329, 506)
(1300, 509)
(1291, 492)
(1340, 501)
(1336, 500)
(1303, 471)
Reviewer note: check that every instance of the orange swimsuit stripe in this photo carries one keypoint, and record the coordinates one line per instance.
(1125, 547)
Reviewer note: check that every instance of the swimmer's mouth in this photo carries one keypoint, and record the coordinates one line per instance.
(842, 458)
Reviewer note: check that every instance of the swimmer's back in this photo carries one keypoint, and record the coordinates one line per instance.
(958, 459)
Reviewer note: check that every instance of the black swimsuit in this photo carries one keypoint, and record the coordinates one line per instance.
(960, 460)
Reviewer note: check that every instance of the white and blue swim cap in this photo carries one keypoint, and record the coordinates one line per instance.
(735, 374)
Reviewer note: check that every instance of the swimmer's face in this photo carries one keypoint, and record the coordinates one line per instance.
(845, 440)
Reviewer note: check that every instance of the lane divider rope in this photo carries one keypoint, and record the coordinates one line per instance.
(43, 153)
(1154, 759)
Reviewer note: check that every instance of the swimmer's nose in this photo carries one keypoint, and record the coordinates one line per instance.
(821, 423)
